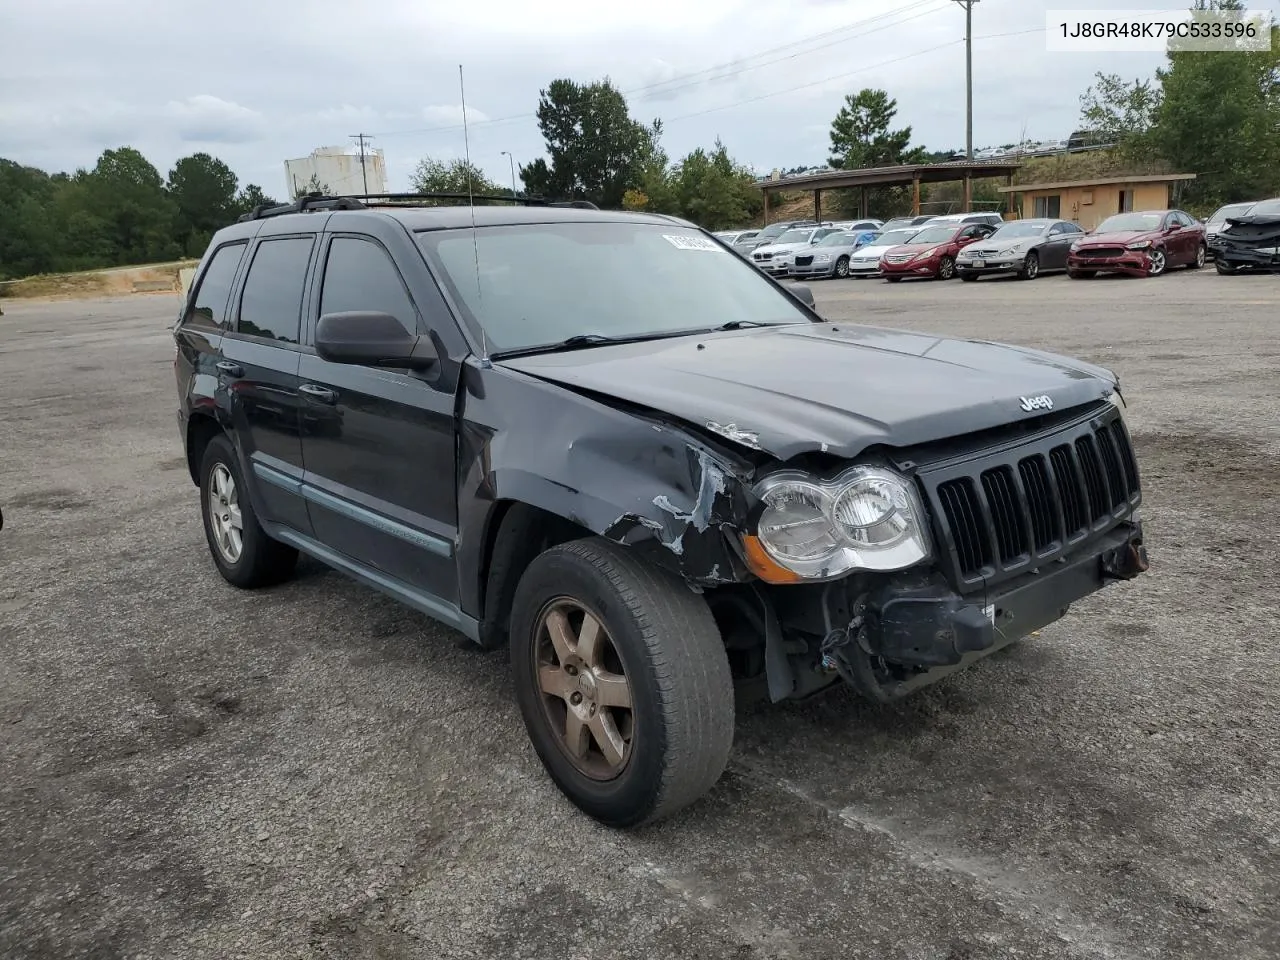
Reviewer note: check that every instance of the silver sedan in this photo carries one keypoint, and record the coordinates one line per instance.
(829, 257)
(1024, 248)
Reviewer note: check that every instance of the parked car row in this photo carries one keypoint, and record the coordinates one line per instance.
(1243, 237)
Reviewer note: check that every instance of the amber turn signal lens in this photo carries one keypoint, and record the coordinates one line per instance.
(764, 566)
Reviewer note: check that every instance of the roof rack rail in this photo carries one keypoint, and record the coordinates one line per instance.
(468, 197)
(362, 201)
(309, 201)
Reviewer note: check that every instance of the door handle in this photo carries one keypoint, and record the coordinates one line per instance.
(318, 393)
(230, 369)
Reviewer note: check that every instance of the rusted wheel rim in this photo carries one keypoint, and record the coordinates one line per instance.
(584, 689)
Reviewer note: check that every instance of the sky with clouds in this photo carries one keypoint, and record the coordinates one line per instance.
(255, 82)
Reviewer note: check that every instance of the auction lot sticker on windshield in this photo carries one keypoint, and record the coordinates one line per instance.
(691, 243)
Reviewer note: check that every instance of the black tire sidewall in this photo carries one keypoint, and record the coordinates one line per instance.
(628, 797)
(1027, 272)
(842, 262)
(220, 451)
(946, 268)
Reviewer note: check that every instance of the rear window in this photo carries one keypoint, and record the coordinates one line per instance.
(208, 308)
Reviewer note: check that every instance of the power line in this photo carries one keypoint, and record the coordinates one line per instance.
(732, 68)
(692, 79)
(851, 73)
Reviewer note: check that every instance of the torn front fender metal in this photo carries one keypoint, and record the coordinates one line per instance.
(628, 475)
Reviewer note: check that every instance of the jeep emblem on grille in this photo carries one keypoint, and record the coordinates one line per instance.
(1042, 402)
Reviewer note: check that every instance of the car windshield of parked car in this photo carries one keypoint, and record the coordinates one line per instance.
(539, 284)
(795, 236)
(1013, 231)
(836, 240)
(1267, 208)
(891, 238)
(1230, 210)
(1125, 222)
(938, 233)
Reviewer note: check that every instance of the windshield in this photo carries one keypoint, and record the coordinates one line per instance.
(898, 224)
(1267, 208)
(837, 240)
(542, 283)
(795, 236)
(1130, 221)
(891, 238)
(936, 234)
(1028, 228)
(1230, 210)
(768, 233)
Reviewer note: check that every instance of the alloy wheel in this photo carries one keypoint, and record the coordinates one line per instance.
(1200, 255)
(1032, 267)
(584, 689)
(842, 268)
(1158, 262)
(946, 268)
(225, 517)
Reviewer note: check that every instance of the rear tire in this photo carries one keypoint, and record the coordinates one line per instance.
(655, 646)
(240, 547)
(1202, 254)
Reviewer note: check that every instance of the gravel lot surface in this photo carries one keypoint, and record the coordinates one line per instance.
(314, 771)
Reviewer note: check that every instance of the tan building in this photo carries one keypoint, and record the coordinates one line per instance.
(1089, 202)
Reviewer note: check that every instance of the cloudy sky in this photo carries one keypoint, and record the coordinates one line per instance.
(258, 81)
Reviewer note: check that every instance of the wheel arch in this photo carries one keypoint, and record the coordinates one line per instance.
(201, 429)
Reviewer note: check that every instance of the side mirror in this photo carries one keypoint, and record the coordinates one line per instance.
(1172, 227)
(373, 340)
(802, 293)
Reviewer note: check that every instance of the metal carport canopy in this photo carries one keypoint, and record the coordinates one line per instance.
(913, 173)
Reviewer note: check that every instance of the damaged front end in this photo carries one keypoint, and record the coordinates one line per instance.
(1249, 243)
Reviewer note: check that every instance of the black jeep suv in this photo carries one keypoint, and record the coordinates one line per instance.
(657, 476)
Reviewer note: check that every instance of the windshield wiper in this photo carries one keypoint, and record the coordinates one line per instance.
(581, 340)
(739, 324)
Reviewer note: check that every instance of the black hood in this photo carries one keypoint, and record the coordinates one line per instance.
(798, 388)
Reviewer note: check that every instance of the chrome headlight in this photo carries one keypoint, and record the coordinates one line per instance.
(1075, 246)
(867, 518)
(1009, 252)
(1140, 245)
(822, 258)
(927, 254)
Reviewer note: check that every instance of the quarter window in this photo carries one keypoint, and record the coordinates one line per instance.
(208, 308)
(271, 305)
(360, 275)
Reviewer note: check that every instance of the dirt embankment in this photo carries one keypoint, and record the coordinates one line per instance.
(114, 282)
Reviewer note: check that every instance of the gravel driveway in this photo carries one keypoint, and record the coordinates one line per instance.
(314, 771)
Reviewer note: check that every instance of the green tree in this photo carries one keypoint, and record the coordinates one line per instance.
(29, 241)
(311, 186)
(715, 192)
(595, 147)
(252, 196)
(126, 193)
(203, 189)
(862, 135)
(1219, 117)
(1122, 112)
(457, 176)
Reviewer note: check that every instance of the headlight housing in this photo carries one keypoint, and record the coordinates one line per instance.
(867, 518)
(1075, 246)
(822, 258)
(926, 254)
(1008, 252)
(1139, 245)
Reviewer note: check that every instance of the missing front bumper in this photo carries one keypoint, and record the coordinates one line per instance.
(910, 634)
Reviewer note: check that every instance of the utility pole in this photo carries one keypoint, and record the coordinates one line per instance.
(364, 176)
(968, 75)
(512, 162)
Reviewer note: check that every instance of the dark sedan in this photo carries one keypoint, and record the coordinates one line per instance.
(1024, 248)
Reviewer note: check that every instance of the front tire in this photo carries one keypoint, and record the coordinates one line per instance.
(1224, 268)
(946, 268)
(842, 267)
(240, 547)
(623, 682)
(1081, 274)
(1158, 262)
(1030, 267)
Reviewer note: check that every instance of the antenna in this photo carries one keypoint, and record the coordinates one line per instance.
(471, 198)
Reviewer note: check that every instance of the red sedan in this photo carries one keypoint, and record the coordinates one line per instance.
(932, 252)
(1142, 244)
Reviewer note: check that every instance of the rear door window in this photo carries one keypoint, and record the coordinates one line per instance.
(271, 305)
(208, 308)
